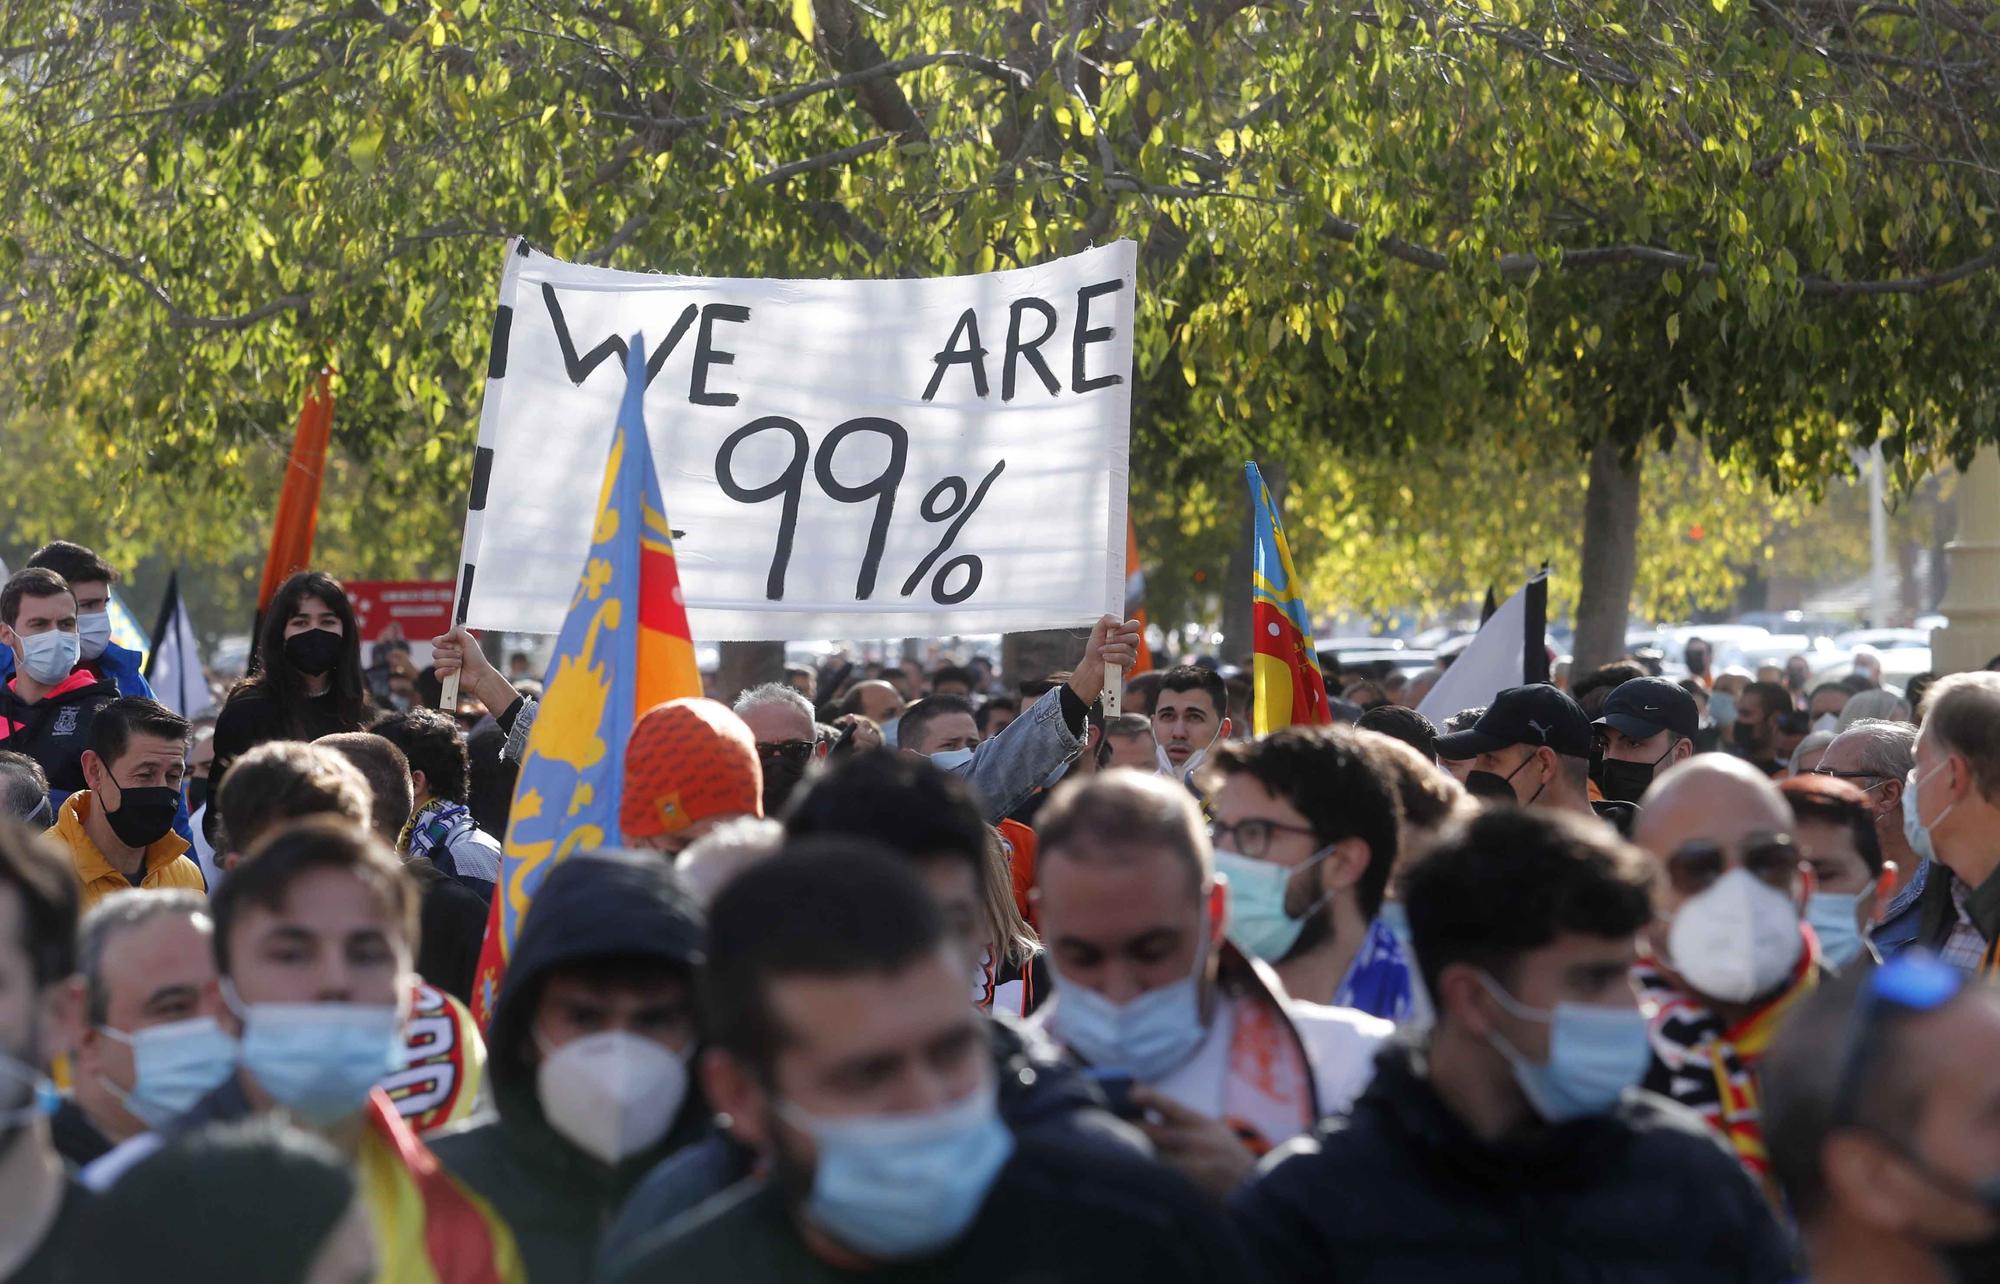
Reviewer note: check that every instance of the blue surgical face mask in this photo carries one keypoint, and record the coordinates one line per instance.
(903, 1186)
(1836, 922)
(889, 731)
(1721, 708)
(318, 1060)
(48, 657)
(1146, 1038)
(93, 633)
(1595, 1054)
(953, 759)
(173, 1066)
(1915, 831)
(1258, 922)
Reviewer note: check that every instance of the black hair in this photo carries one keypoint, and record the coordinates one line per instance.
(299, 1184)
(983, 716)
(282, 780)
(29, 581)
(824, 907)
(1825, 687)
(1772, 696)
(1595, 687)
(1339, 782)
(918, 717)
(954, 673)
(116, 723)
(1140, 692)
(387, 772)
(285, 686)
(1192, 677)
(265, 877)
(74, 562)
(1400, 722)
(905, 804)
(435, 745)
(43, 882)
(1512, 880)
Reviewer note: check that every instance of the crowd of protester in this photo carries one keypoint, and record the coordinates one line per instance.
(906, 975)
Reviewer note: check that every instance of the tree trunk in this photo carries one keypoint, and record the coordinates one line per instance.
(1610, 559)
(748, 664)
(1238, 644)
(1032, 656)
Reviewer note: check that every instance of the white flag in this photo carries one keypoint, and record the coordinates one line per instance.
(1506, 652)
(175, 671)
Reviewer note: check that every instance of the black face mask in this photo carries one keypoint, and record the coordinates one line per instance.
(1621, 781)
(1749, 736)
(781, 777)
(315, 651)
(197, 794)
(1493, 787)
(1697, 661)
(144, 815)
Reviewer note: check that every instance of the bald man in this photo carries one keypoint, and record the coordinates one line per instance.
(1728, 953)
(875, 700)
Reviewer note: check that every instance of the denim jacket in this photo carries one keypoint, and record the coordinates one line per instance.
(1902, 922)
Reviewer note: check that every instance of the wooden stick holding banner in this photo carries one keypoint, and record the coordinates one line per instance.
(1114, 690)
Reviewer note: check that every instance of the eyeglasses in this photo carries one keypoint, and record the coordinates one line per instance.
(795, 752)
(1695, 866)
(1251, 837)
(1905, 985)
(1848, 775)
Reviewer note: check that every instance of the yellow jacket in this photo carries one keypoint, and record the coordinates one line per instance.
(167, 865)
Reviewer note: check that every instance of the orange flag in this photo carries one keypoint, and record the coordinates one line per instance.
(298, 502)
(1135, 598)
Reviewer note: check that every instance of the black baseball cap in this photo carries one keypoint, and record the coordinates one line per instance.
(1644, 707)
(1530, 715)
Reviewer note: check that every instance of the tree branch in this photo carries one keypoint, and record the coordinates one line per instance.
(178, 318)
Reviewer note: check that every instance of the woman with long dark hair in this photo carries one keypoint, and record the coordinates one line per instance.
(306, 682)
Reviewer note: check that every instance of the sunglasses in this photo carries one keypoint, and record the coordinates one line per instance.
(795, 752)
(1694, 867)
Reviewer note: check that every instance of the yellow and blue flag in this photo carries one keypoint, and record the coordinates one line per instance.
(624, 648)
(1290, 690)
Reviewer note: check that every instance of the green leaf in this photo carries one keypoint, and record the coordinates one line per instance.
(802, 18)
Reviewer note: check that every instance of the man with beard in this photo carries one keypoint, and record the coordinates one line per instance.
(1755, 737)
(43, 1233)
(1305, 828)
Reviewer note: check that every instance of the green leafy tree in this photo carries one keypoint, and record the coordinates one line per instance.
(1406, 230)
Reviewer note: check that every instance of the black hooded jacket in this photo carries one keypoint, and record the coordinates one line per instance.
(557, 1198)
(1400, 1190)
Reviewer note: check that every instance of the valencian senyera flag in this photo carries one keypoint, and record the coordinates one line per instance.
(624, 648)
(1291, 691)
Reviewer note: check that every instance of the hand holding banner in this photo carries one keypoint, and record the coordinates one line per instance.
(848, 458)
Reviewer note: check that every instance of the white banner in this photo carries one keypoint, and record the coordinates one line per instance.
(839, 459)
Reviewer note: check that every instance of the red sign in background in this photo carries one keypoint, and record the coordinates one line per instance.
(422, 608)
